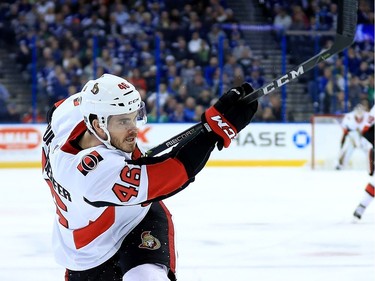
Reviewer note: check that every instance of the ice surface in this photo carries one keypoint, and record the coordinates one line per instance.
(237, 224)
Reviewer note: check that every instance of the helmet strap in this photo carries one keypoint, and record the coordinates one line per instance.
(103, 126)
(107, 142)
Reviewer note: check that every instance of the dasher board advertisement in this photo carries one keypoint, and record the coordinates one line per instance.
(257, 145)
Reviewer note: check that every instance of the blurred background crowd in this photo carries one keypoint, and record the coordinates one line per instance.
(180, 54)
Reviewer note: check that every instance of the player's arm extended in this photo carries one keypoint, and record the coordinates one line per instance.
(173, 171)
(148, 179)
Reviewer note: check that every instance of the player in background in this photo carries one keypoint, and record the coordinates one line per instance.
(368, 197)
(111, 223)
(353, 125)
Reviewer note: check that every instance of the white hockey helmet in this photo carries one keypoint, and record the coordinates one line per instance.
(110, 95)
(359, 111)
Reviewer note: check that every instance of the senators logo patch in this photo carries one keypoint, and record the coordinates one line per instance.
(149, 242)
(89, 162)
(95, 89)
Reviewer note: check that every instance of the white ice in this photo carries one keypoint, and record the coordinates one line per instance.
(237, 224)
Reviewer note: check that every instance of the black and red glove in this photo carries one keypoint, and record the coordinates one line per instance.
(230, 114)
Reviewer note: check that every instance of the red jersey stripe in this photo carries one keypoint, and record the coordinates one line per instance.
(87, 234)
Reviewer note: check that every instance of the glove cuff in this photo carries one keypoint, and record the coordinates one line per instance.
(219, 125)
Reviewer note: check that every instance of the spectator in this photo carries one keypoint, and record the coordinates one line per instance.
(209, 70)
(170, 105)
(229, 67)
(3, 110)
(353, 60)
(275, 103)
(150, 76)
(329, 94)
(120, 14)
(195, 45)
(175, 85)
(33, 116)
(131, 27)
(161, 96)
(107, 61)
(156, 114)
(204, 98)
(11, 114)
(242, 50)
(203, 54)
(355, 90)
(72, 65)
(267, 115)
(188, 70)
(4, 93)
(59, 88)
(147, 26)
(245, 59)
(282, 21)
(179, 49)
(189, 109)
(364, 71)
(214, 35)
(182, 94)
(178, 115)
(238, 76)
(164, 21)
(170, 67)
(94, 26)
(369, 91)
(256, 79)
(199, 110)
(197, 85)
(44, 6)
(23, 56)
(137, 80)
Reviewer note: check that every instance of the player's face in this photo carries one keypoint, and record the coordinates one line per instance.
(123, 130)
(358, 119)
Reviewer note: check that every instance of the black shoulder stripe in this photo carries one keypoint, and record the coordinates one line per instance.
(99, 204)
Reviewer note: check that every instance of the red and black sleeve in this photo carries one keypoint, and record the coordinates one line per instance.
(172, 172)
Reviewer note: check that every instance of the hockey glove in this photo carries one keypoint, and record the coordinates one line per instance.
(230, 114)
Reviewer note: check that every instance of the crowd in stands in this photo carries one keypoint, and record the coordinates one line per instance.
(177, 86)
(326, 84)
(185, 79)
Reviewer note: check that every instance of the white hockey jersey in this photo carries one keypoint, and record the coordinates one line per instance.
(351, 123)
(354, 128)
(371, 118)
(90, 188)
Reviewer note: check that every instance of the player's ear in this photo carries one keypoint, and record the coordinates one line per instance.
(95, 125)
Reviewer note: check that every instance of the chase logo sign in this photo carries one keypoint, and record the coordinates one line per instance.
(301, 139)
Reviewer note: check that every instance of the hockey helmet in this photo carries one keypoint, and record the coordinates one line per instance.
(110, 95)
(359, 111)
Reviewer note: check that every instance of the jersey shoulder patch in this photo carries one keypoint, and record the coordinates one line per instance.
(89, 162)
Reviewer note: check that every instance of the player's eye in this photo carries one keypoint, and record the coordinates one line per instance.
(124, 122)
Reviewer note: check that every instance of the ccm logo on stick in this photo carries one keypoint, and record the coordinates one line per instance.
(283, 80)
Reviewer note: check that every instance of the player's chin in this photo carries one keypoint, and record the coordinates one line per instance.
(129, 144)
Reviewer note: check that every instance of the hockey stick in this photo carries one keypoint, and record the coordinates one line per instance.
(345, 31)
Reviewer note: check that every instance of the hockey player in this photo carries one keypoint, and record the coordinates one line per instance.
(110, 221)
(368, 197)
(353, 125)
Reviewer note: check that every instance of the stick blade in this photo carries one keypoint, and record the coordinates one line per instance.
(347, 18)
(346, 26)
